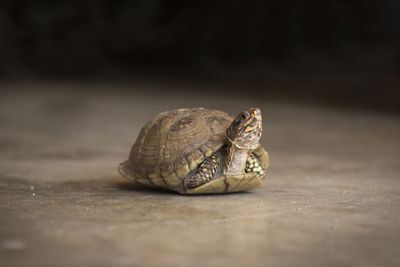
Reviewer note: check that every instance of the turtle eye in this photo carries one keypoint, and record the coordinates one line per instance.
(244, 115)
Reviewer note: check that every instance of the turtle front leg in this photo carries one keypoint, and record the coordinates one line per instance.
(253, 165)
(204, 173)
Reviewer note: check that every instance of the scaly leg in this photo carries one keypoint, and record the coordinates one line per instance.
(204, 173)
(253, 165)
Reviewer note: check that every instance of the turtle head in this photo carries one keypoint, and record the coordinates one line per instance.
(245, 131)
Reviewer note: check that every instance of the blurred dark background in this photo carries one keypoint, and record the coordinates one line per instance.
(337, 52)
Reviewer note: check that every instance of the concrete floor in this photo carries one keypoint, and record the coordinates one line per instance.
(332, 197)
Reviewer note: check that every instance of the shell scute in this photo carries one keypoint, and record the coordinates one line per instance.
(182, 167)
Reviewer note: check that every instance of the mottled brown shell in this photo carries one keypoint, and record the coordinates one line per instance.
(173, 143)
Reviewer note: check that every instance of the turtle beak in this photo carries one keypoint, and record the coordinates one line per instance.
(255, 113)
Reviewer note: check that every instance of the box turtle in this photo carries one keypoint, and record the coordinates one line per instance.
(199, 151)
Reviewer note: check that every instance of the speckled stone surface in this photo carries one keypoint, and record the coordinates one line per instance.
(332, 196)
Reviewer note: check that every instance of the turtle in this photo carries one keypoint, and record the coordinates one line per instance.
(199, 151)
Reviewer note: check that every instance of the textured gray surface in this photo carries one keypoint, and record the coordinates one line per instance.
(332, 197)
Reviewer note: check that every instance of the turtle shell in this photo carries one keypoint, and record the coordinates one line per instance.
(174, 143)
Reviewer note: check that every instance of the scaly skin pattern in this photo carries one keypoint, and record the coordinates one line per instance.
(211, 166)
(205, 172)
(253, 165)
